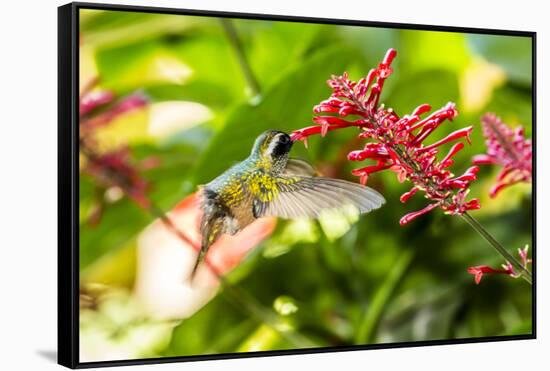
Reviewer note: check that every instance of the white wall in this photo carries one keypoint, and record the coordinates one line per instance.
(28, 182)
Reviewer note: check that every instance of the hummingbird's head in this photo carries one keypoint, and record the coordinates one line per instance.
(273, 146)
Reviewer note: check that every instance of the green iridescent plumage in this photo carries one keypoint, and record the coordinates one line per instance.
(269, 183)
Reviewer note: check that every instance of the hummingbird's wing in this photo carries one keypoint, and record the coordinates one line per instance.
(306, 196)
(296, 166)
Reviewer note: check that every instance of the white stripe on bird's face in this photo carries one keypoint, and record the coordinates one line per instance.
(272, 145)
(279, 145)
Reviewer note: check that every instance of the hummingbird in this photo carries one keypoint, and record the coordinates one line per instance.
(270, 183)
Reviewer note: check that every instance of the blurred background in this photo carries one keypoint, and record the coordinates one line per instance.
(172, 101)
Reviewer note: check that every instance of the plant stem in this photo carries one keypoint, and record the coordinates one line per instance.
(498, 247)
(237, 45)
(371, 317)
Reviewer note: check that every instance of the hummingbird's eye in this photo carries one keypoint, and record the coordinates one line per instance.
(284, 139)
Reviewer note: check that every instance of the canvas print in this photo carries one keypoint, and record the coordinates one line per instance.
(254, 185)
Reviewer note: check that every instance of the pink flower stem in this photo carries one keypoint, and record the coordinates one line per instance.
(498, 247)
(237, 296)
(404, 157)
(503, 141)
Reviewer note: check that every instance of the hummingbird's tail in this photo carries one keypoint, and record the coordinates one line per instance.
(211, 229)
(200, 258)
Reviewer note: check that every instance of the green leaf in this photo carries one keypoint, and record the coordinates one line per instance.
(381, 298)
(287, 106)
(422, 312)
(264, 338)
(372, 42)
(117, 268)
(167, 187)
(208, 332)
(201, 68)
(425, 50)
(137, 66)
(435, 87)
(512, 53)
(513, 106)
(97, 240)
(273, 48)
(106, 29)
(522, 328)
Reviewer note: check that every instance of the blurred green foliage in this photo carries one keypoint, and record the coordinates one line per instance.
(379, 282)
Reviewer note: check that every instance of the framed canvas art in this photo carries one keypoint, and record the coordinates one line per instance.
(240, 185)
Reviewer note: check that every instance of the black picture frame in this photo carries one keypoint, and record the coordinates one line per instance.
(68, 181)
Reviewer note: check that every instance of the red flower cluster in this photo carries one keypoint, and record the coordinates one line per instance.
(480, 270)
(91, 103)
(507, 148)
(398, 142)
(114, 168)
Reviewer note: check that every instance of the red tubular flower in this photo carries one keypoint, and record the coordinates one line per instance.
(92, 100)
(126, 104)
(507, 148)
(410, 216)
(507, 268)
(523, 255)
(114, 168)
(480, 270)
(397, 142)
